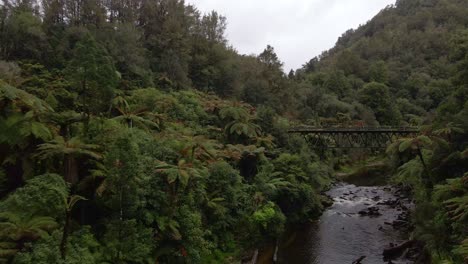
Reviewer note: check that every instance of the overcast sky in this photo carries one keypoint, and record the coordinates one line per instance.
(298, 29)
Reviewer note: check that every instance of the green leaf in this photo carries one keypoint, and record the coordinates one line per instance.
(172, 177)
(184, 178)
(425, 140)
(41, 131)
(73, 200)
(405, 145)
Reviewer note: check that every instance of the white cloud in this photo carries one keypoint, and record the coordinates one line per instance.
(297, 29)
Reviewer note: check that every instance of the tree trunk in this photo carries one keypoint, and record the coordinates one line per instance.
(254, 257)
(71, 170)
(66, 227)
(427, 178)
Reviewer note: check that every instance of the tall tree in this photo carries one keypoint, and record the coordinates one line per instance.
(213, 27)
(69, 150)
(269, 57)
(92, 75)
(166, 25)
(54, 12)
(377, 97)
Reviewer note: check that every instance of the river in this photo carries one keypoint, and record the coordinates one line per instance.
(357, 224)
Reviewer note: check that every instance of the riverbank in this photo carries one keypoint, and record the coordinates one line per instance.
(362, 222)
(365, 221)
(374, 171)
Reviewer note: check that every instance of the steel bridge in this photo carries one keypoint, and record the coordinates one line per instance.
(353, 137)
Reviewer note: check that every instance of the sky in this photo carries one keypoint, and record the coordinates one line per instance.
(298, 29)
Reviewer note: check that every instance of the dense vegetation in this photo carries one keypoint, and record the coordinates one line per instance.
(108, 154)
(131, 132)
(409, 66)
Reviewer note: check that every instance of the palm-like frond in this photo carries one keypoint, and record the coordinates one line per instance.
(458, 208)
(141, 118)
(462, 250)
(454, 187)
(414, 143)
(16, 127)
(66, 118)
(18, 227)
(120, 101)
(465, 153)
(233, 113)
(199, 148)
(404, 144)
(449, 130)
(182, 172)
(7, 251)
(22, 99)
(215, 204)
(244, 127)
(72, 200)
(170, 226)
(266, 142)
(276, 184)
(410, 173)
(74, 147)
(235, 152)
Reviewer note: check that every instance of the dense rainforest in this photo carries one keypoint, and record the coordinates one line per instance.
(132, 132)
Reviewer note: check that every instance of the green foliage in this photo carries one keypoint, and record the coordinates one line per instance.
(240, 125)
(106, 94)
(127, 241)
(270, 218)
(378, 72)
(376, 96)
(462, 250)
(73, 146)
(23, 36)
(43, 195)
(122, 174)
(182, 172)
(83, 248)
(68, 150)
(31, 212)
(92, 75)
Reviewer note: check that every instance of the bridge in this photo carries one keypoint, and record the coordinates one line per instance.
(353, 137)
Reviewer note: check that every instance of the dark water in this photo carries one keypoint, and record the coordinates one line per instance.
(342, 235)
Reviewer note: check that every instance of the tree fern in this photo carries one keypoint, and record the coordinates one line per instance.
(410, 174)
(199, 148)
(141, 118)
(69, 150)
(22, 99)
(462, 250)
(182, 172)
(74, 146)
(16, 129)
(453, 187)
(233, 113)
(458, 208)
(20, 228)
(449, 130)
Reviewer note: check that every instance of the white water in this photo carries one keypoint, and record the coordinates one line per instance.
(342, 235)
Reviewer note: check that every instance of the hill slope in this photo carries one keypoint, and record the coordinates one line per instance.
(407, 46)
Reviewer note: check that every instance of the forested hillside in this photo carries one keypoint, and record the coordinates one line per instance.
(115, 148)
(407, 54)
(132, 132)
(408, 66)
